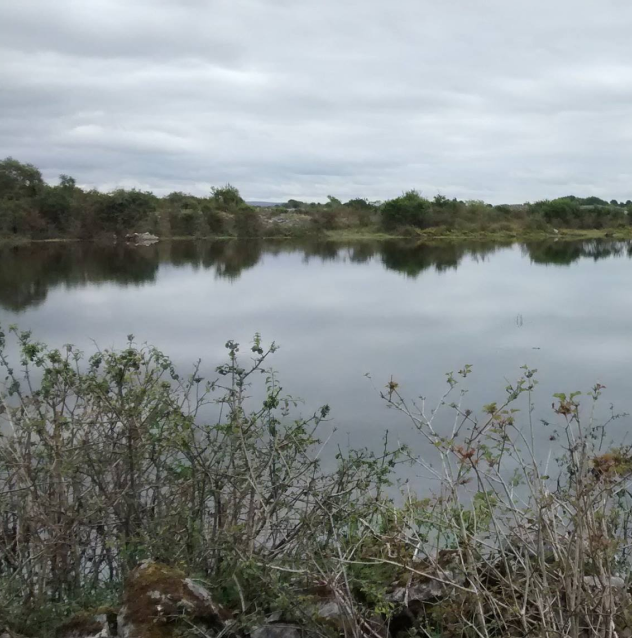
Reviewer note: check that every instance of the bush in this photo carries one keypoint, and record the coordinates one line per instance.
(536, 223)
(111, 446)
(187, 222)
(215, 220)
(248, 223)
(109, 462)
(326, 219)
(558, 211)
(411, 209)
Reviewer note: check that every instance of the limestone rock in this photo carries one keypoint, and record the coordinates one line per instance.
(141, 239)
(332, 611)
(280, 631)
(615, 582)
(335, 614)
(427, 589)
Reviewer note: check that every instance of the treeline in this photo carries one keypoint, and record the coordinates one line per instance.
(32, 208)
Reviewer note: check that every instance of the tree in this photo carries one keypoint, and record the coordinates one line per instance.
(227, 198)
(121, 210)
(19, 180)
(65, 181)
(441, 200)
(54, 204)
(360, 204)
(562, 210)
(589, 201)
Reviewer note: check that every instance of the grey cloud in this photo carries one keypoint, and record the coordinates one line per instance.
(505, 101)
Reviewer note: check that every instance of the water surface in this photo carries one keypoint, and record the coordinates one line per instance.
(411, 310)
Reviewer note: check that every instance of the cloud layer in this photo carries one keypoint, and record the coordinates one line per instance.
(495, 100)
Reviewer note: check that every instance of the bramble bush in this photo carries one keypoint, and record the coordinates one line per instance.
(118, 457)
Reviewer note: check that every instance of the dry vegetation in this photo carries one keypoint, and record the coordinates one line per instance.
(108, 461)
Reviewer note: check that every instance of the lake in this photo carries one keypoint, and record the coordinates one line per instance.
(339, 311)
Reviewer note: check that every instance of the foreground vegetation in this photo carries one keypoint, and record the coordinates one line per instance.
(31, 209)
(117, 458)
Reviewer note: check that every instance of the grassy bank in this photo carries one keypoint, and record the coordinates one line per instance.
(106, 462)
(376, 234)
(480, 235)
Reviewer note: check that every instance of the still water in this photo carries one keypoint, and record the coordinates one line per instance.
(339, 311)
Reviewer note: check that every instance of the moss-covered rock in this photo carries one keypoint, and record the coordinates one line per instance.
(282, 631)
(158, 600)
(100, 623)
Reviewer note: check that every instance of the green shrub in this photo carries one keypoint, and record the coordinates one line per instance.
(248, 223)
(411, 209)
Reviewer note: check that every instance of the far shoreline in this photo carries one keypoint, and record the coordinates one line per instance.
(427, 235)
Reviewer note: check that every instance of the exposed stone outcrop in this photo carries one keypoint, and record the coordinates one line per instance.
(343, 618)
(162, 602)
(428, 589)
(616, 583)
(141, 239)
(158, 598)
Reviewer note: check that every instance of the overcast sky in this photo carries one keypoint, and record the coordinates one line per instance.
(502, 100)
